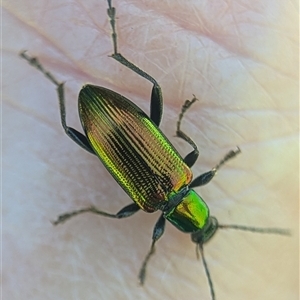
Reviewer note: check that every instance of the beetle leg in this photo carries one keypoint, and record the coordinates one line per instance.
(208, 176)
(191, 158)
(156, 106)
(158, 231)
(125, 212)
(75, 135)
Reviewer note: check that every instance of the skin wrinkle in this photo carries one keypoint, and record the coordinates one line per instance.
(56, 45)
(97, 258)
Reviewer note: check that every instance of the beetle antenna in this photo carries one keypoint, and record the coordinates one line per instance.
(279, 231)
(199, 247)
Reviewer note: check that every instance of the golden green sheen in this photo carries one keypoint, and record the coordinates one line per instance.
(132, 147)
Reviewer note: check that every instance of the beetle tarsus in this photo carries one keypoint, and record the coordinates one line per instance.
(192, 157)
(142, 273)
(208, 176)
(231, 154)
(158, 231)
(33, 61)
(125, 212)
(186, 106)
(75, 135)
(111, 11)
(64, 217)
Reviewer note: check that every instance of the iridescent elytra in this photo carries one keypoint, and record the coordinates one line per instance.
(142, 160)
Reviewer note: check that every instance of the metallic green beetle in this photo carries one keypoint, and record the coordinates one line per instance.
(142, 160)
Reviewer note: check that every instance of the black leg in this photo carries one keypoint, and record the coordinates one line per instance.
(75, 135)
(191, 158)
(158, 231)
(156, 107)
(125, 212)
(208, 176)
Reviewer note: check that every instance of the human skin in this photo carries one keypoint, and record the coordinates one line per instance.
(240, 59)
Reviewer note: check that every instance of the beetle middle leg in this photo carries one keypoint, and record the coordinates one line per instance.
(156, 106)
(191, 158)
(208, 176)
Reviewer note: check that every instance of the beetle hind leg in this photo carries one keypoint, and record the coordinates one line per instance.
(156, 106)
(75, 135)
(125, 212)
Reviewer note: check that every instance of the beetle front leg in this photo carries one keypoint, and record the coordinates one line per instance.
(125, 212)
(156, 106)
(158, 231)
(75, 135)
(208, 176)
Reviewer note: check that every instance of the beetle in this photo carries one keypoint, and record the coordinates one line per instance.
(142, 160)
